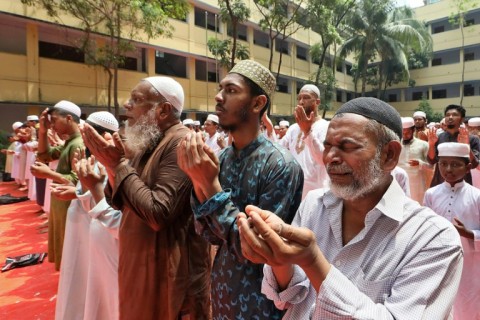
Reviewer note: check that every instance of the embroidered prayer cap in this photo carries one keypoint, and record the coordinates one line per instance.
(104, 119)
(474, 122)
(17, 125)
(69, 107)
(32, 118)
(312, 88)
(375, 109)
(284, 123)
(213, 118)
(188, 122)
(420, 114)
(169, 89)
(407, 122)
(258, 74)
(454, 149)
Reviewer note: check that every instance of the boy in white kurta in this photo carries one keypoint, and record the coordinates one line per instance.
(459, 202)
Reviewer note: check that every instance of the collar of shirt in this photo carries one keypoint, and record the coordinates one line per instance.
(260, 139)
(390, 205)
(457, 185)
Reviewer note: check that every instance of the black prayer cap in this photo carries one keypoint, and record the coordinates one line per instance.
(375, 109)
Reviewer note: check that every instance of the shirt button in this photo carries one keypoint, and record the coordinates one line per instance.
(338, 263)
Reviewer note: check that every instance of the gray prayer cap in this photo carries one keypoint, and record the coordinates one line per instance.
(375, 109)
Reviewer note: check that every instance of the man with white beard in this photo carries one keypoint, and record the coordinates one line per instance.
(164, 266)
(361, 250)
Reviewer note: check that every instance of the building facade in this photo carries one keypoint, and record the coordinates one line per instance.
(40, 66)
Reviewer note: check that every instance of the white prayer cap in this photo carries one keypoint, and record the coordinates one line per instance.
(69, 107)
(284, 123)
(32, 118)
(276, 127)
(213, 118)
(454, 149)
(104, 119)
(311, 87)
(407, 122)
(442, 121)
(431, 125)
(462, 125)
(420, 114)
(196, 123)
(474, 122)
(17, 125)
(187, 122)
(169, 89)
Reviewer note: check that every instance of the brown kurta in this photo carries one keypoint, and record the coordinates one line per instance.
(164, 269)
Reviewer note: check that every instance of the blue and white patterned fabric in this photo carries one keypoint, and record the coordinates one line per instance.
(262, 174)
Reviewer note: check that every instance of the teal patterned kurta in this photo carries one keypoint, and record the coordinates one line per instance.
(262, 174)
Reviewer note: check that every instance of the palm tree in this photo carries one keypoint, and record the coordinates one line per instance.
(379, 30)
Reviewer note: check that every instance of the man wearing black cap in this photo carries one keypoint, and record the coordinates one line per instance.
(361, 250)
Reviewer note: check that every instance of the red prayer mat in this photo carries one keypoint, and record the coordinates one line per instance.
(28, 292)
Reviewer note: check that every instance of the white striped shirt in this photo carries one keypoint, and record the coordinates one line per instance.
(405, 264)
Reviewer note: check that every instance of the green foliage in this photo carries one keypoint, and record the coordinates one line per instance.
(418, 60)
(232, 12)
(460, 8)
(222, 50)
(425, 106)
(280, 20)
(379, 31)
(327, 19)
(327, 84)
(120, 22)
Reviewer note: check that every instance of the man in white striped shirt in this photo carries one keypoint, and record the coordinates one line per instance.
(369, 251)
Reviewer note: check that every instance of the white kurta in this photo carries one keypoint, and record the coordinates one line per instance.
(102, 283)
(72, 286)
(463, 202)
(403, 180)
(212, 142)
(31, 147)
(23, 161)
(416, 150)
(308, 151)
(476, 177)
(16, 161)
(48, 195)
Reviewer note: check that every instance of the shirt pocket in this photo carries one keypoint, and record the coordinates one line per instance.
(375, 288)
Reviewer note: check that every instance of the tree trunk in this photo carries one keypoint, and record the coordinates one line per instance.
(462, 83)
(115, 65)
(109, 95)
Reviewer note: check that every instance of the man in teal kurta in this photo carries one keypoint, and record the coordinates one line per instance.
(63, 118)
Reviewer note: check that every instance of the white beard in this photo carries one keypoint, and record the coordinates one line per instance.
(363, 182)
(142, 133)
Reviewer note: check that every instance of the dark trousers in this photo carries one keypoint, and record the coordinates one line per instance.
(40, 185)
